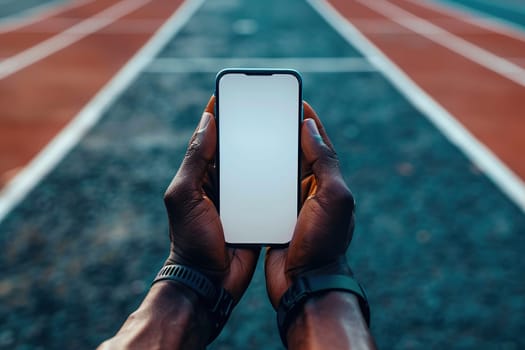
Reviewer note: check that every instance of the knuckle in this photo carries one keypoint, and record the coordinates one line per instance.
(193, 148)
(168, 194)
(328, 159)
(331, 155)
(176, 191)
(340, 194)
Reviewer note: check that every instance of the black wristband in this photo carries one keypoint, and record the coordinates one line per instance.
(218, 301)
(306, 286)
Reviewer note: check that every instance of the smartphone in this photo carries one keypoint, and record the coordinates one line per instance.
(259, 113)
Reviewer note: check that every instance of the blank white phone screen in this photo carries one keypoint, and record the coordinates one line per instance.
(259, 120)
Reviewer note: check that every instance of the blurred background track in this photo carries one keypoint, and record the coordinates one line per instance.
(424, 102)
(475, 73)
(51, 67)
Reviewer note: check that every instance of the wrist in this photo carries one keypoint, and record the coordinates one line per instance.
(180, 305)
(216, 300)
(171, 316)
(331, 319)
(307, 287)
(336, 266)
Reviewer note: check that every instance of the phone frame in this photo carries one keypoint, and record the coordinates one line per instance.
(260, 71)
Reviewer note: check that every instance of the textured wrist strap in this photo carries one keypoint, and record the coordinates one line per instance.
(218, 301)
(306, 286)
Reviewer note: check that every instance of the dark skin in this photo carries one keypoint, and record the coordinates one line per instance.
(326, 221)
(196, 234)
(172, 316)
(323, 232)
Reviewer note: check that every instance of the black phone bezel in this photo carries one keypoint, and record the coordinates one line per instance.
(259, 71)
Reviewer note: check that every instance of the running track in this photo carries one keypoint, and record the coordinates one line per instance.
(435, 241)
(475, 71)
(51, 68)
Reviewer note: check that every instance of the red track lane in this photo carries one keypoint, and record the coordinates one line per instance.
(505, 46)
(490, 106)
(13, 42)
(39, 100)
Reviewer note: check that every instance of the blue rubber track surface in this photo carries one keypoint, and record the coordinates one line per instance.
(19, 9)
(437, 245)
(510, 11)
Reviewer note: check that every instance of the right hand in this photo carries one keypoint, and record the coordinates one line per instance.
(325, 223)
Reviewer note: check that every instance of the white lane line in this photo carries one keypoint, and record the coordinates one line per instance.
(123, 26)
(38, 13)
(482, 20)
(51, 155)
(499, 173)
(213, 65)
(446, 39)
(68, 37)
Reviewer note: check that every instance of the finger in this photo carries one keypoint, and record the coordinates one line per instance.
(210, 107)
(309, 113)
(200, 153)
(210, 184)
(331, 191)
(275, 267)
(201, 150)
(321, 158)
(242, 266)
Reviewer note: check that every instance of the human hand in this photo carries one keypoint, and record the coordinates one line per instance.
(172, 316)
(326, 221)
(196, 233)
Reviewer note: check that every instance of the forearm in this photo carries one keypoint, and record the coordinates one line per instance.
(332, 320)
(170, 317)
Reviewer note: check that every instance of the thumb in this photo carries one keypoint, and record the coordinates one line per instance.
(200, 152)
(318, 155)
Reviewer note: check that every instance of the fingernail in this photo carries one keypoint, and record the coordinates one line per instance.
(312, 127)
(205, 120)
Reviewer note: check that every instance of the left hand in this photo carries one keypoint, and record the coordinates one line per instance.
(196, 233)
